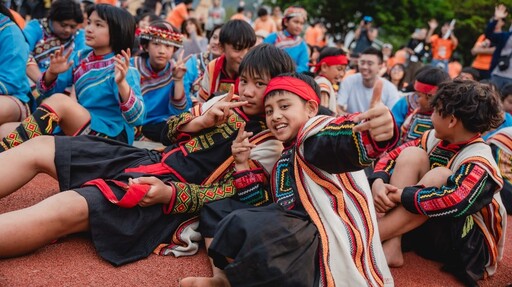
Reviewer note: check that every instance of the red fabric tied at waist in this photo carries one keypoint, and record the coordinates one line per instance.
(156, 168)
(134, 193)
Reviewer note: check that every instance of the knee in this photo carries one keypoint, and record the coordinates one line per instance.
(73, 213)
(436, 177)
(413, 156)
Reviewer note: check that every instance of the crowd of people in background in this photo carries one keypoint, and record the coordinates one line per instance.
(262, 117)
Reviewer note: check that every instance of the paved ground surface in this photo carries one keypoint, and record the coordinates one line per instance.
(72, 261)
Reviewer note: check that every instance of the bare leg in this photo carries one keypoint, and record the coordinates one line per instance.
(20, 164)
(72, 115)
(7, 128)
(218, 280)
(400, 220)
(410, 167)
(28, 229)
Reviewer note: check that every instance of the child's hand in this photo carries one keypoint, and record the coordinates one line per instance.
(241, 149)
(395, 195)
(59, 61)
(379, 122)
(179, 68)
(122, 63)
(219, 113)
(159, 192)
(380, 192)
(433, 24)
(500, 12)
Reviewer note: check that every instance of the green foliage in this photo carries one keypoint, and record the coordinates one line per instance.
(397, 19)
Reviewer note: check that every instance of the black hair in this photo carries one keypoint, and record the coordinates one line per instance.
(162, 25)
(303, 77)
(199, 30)
(262, 12)
(266, 60)
(506, 91)
(330, 51)
(237, 33)
(4, 10)
(186, 2)
(475, 104)
(432, 76)
(121, 26)
(151, 14)
(62, 10)
(240, 9)
(373, 51)
(209, 34)
(472, 71)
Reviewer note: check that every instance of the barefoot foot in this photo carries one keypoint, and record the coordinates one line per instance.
(393, 252)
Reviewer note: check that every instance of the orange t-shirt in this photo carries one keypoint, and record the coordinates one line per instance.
(482, 61)
(111, 2)
(178, 15)
(269, 25)
(442, 49)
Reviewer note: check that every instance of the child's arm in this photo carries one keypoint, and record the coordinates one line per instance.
(178, 98)
(59, 76)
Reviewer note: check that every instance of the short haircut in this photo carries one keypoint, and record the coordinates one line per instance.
(62, 10)
(330, 51)
(303, 77)
(476, 105)
(262, 12)
(186, 2)
(432, 76)
(472, 71)
(237, 33)
(121, 26)
(266, 60)
(151, 14)
(240, 9)
(506, 91)
(209, 34)
(373, 51)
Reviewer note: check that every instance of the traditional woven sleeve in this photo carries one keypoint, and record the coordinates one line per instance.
(385, 166)
(336, 148)
(171, 132)
(133, 110)
(467, 191)
(252, 187)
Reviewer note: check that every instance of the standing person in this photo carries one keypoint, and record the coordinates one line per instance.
(87, 167)
(216, 16)
(501, 70)
(290, 40)
(356, 90)
(442, 44)
(264, 22)
(329, 70)
(14, 87)
(442, 190)
(46, 36)
(277, 16)
(364, 35)
(240, 15)
(236, 38)
(108, 102)
(162, 82)
(483, 51)
(322, 230)
(179, 14)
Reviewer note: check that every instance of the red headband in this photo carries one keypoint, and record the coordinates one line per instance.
(331, 61)
(292, 85)
(425, 88)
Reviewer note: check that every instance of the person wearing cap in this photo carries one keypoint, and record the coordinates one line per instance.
(290, 40)
(364, 35)
(329, 70)
(321, 201)
(161, 81)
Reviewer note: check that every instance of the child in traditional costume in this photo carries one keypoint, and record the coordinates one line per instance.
(108, 100)
(442, 189)
(14, 86)
(413, 111)
(161, 80)
(289, 38)
(131, 200)
(236, 38)
(330, 69)
(321, 228)
(501, 145)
